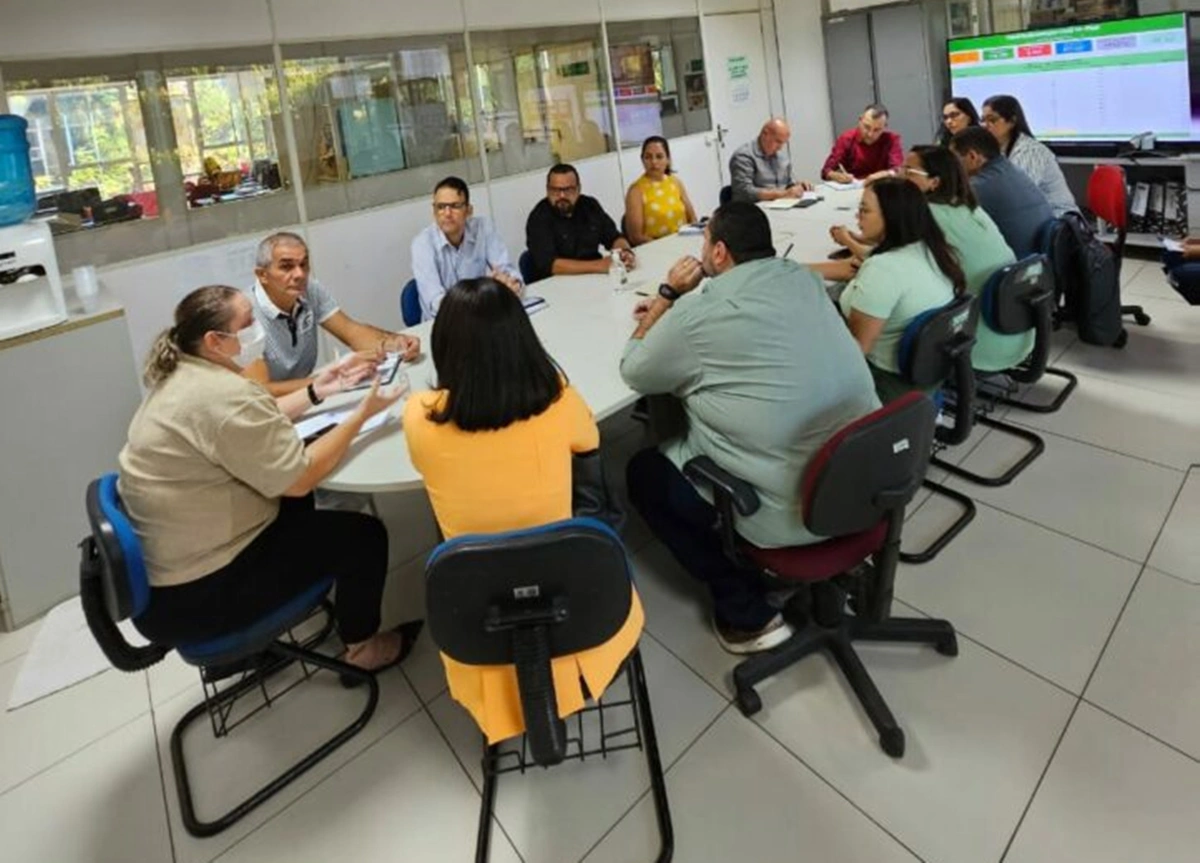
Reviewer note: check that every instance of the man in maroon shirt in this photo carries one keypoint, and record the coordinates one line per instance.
(867, 151)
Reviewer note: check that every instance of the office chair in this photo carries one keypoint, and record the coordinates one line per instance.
(410, 304)
(525, 265)
(1023, 295)
(1016, 299)
(726, 195)
(114, 586)
(854, 491)
(524, 598)
(1107, 197)
(935, 348)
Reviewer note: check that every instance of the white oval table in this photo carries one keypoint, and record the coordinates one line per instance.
(584, 327)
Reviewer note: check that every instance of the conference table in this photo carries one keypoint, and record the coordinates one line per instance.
(584, 325)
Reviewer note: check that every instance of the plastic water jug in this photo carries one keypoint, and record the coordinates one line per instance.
(18, 200)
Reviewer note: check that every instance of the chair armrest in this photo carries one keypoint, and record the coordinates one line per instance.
(123, 655)
(703, 470)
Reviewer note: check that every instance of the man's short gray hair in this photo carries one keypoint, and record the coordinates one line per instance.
(876, 111)
(266, 249)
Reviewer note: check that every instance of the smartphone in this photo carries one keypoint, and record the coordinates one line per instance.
(386, 372)
(807, 202)
(841, 255)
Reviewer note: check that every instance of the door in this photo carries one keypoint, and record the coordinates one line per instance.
(736, 64)
(851, 71)
(903, 72)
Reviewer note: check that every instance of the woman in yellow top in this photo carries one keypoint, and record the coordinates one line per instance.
(494, 444)
(657, 204)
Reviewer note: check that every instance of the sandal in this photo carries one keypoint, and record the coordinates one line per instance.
(408, 632)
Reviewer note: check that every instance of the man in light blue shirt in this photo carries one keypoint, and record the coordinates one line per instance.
(457, 246)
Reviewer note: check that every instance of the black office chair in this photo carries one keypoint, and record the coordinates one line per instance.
(854, 491)
(1060, 249)
(114, 586)
(935, 349)
(525, 598)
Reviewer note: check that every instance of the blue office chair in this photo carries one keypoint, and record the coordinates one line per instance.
(726, 195)
(114, 586)
(525, 265)
(524, 598)
(410, 304)
(935, 348)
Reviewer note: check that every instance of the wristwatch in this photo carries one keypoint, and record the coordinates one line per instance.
(668, 293)
(312, 395)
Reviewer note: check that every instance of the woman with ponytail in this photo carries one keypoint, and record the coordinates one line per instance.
(219, 489)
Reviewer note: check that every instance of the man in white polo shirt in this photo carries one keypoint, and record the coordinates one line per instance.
(290, 305)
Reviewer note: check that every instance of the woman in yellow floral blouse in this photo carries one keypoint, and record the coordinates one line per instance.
(657, 204)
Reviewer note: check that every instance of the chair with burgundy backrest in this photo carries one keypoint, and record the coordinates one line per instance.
(1107, 197)
(854, 491)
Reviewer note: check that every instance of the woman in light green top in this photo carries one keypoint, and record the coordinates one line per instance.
(910, 269)
(980, 246)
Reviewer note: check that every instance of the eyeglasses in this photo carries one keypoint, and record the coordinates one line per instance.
(562, 190)
(952, 115)
(446, 206)
(906, 170)
(990, 119)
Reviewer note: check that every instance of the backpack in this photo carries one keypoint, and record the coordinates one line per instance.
(1088, 280)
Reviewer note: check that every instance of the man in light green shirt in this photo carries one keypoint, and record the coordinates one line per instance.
(766, 372)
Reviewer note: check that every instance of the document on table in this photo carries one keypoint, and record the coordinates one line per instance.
(789, 203)
(844, 187)
(318, 423)
(1171, 245)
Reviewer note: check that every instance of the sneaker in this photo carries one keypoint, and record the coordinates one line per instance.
(775, 633)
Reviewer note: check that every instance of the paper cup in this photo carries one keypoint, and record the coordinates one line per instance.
(87, 287)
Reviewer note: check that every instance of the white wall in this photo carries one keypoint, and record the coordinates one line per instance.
(313, 20)
(805, 83)
(67, 28)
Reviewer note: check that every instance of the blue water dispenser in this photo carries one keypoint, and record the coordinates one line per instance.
(18, 199)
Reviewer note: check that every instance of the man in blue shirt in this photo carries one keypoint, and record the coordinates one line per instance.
(1005, 192)
(457, 246)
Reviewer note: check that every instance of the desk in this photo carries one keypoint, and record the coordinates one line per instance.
(585, 329)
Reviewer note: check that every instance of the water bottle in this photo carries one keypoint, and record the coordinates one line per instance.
(616, 272)
(18, 200)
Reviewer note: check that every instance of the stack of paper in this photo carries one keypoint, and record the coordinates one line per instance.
(844, 187)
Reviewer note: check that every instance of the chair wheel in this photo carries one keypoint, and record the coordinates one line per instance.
(948, 646)
(748, 702)
(1142, 319)
(892, 742)
(1121, 340)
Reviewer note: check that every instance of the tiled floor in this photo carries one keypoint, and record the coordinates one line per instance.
(1065, 730)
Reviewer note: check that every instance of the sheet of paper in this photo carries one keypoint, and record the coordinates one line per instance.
(844, 187)
(690, 230)
(1171, 245)
(315, 423)
(781, 203)
(64, 652)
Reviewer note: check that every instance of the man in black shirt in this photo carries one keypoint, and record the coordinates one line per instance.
(565, 231)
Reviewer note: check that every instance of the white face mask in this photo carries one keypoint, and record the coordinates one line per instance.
(252, 341)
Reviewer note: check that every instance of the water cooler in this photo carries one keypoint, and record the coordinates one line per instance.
(31, 293)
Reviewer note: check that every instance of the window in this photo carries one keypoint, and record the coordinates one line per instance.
(1008, 15)
(543, 97)
(227, 130)
(379, 121)
(658, 79)
(86, 136)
